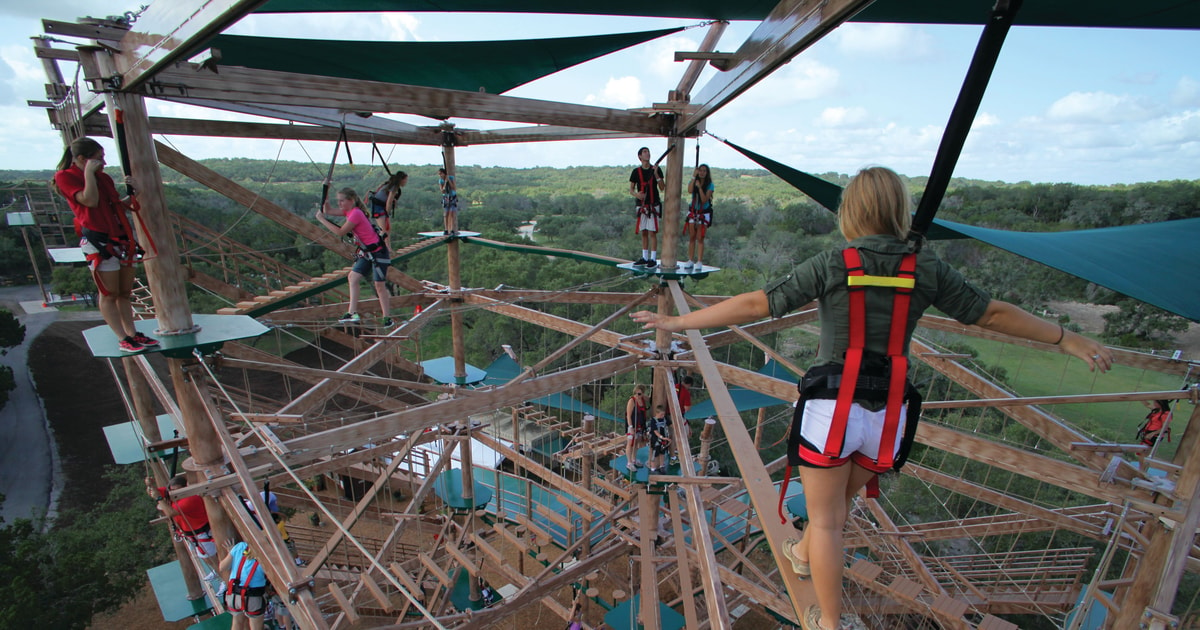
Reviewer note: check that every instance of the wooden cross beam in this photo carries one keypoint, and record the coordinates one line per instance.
(248, 85)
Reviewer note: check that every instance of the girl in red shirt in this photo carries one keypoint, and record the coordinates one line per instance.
(107, 237)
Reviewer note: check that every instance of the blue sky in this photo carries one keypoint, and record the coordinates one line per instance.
(1089, 106)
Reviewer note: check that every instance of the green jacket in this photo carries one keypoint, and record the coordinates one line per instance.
(823, 278)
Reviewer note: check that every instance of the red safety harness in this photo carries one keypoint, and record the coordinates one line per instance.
(847, 382)
(238, 588)
(646, 206)
(696, 212)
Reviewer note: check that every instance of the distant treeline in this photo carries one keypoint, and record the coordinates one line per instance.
(762, 226)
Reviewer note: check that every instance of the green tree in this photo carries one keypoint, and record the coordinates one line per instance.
(1140, 324)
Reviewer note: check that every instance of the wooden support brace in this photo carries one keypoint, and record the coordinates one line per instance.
(462, 559)
(511, 537)
(555, 517)
(376, 592)
(405, 579)
(442, 576)
(489, 550)
(343, 602)
(267, 417)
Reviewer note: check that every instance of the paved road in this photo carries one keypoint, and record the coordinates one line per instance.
(30, 477)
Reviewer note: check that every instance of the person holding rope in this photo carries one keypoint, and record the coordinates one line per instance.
(449, 190)
(699, 217)
(373, 256)
(854, 418)
(383, 201)
(1158, 420)
(189, 519)
(645, 185)
(636, 420)
(107, 238)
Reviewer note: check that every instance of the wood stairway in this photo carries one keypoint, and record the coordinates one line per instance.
(288, 295)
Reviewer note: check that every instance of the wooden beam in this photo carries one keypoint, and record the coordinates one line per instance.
(761, 383)
(758, 483)
(343, 602)
(317, 374)
(1166, 365)
(1036, 467)
(248, 85)
(277, 131)
(419, 418)
(539, 133)
(328, 387)
(706, 48)
(553, 322)
(792, 26)
(1173, 394)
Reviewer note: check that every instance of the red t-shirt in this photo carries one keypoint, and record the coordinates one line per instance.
(685, 396)
(101, 218)
(192, 514)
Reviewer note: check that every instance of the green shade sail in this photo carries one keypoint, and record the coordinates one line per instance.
(1107, 13)
(491, 66)
(1114, 257)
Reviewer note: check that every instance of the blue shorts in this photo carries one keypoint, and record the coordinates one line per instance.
(373, 265)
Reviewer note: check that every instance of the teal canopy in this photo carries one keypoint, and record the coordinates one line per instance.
(489, 66)
(504, 369)
(442, 371)
(1106, 13)
(747, 399)
(1118, 258)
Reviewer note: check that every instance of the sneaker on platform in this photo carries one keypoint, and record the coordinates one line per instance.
(144, 340)
(129, 344)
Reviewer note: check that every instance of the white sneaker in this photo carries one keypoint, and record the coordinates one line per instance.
(210, 577)
(687, 264)
(631, 466)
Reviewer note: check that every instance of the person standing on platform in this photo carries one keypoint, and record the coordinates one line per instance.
(373, 256)
(646, 185)
(449, 202)
(108, 240)
(699, 217)
(383, 201)
(683, 391)
(660, 439)
(1157, 420)
(635, 425)
(841, 442)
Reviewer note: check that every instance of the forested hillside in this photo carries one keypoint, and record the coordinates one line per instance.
(762, 226)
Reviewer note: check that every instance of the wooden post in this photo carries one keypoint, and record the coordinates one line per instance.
(648, 521)
(516, 427)
(705, 444)
(668, 233)
(587, 467)
(758, 428)
(166, 277)
(454, 269)
(468, 493)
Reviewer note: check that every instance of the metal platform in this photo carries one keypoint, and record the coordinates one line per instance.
(214, 331)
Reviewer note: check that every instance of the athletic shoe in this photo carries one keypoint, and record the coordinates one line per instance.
(129, 344)
(350, 318)
(145, 341)
(640, 262)
(387, 322)
(631, 466)
(687, 264)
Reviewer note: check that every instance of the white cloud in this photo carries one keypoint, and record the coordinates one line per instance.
(402, 26)
(660, 55)
(1099, 108)
(1186, 92)
(623, 92)
(895, 42)
(799, 81)
(841, 117)
(984, 119)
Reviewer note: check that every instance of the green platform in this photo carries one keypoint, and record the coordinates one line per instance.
(442, 371)
(624, 616)
(669, 274)
(126, 441)
(223, 621)
(21, 219)
(215, 330)
(448, 488)
(171, 592)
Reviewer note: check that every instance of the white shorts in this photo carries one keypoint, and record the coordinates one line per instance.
(863, 432)
(112, 263)
(647, 223)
